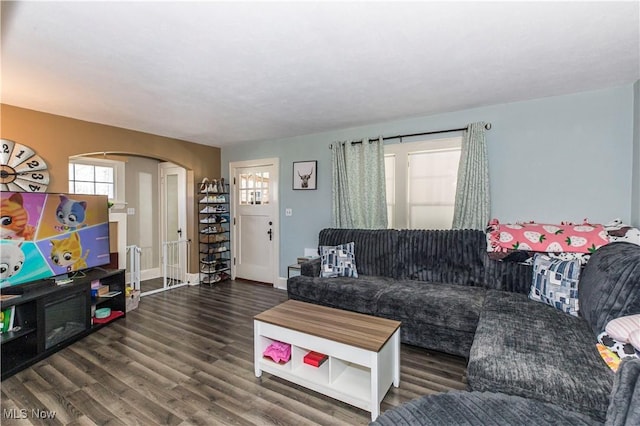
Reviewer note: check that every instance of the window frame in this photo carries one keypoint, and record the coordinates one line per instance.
(401, 151)
(118, 176)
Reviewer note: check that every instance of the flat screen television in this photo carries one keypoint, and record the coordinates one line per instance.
(44, 235)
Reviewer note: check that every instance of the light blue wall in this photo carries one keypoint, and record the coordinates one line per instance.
(563, 158)
(635, 188)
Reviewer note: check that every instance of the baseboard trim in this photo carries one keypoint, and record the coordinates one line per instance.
(281, 283)
(149, 274)
(193, 279)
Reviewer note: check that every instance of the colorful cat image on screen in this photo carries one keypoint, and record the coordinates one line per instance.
(44, 235)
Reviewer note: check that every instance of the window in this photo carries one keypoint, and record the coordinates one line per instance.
(97, 176)
(254, 188)
(421, 183)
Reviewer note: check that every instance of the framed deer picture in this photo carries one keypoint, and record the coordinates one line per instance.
(305, 174)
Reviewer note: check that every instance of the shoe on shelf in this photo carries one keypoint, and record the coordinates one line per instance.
(208, 209)
(204, 185)
(208, 269)
(208, 219)
(210, 279)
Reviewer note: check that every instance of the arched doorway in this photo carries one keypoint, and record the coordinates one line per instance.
(149, 201)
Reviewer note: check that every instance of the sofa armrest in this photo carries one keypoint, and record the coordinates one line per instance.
(310, 268)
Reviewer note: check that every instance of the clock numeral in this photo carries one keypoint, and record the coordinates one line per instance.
(28, 170)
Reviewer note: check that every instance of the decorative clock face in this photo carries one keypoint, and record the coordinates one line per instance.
(21, 169)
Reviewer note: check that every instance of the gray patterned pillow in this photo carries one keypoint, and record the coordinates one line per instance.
(555, 282)
(338, 261)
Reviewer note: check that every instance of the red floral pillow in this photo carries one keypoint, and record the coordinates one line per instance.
(542, 237)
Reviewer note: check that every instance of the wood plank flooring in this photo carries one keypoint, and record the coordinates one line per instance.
(185, 357)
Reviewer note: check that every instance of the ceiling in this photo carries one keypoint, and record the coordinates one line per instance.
(221, 73)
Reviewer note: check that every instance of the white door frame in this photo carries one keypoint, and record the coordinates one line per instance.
(274, 199)
(181, 172)
(120, 219)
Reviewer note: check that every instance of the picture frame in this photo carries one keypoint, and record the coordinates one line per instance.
(305, 175)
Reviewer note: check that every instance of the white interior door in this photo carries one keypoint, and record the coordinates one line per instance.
(173, 199)
(256, 222)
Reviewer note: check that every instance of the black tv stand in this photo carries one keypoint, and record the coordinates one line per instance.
(25, 288)
(49, 317)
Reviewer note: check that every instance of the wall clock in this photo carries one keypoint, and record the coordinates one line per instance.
(21, 169)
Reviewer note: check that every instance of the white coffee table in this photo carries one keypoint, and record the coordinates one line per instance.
(363, 351)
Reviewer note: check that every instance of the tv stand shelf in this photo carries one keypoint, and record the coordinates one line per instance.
(49, 317)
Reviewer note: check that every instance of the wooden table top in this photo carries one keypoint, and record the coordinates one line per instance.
(351, 328)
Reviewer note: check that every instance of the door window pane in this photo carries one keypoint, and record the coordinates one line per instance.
(254, 188)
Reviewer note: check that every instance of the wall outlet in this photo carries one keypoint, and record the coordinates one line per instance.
(288, 212)
(131, 211)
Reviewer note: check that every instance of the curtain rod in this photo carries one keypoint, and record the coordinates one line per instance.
(486, 126)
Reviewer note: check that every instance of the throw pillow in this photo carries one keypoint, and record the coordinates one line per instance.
(622, 349)
(542, 237)
(620, 328)
(634, 339)
(555, 282)
(611, 359)
(338, 261)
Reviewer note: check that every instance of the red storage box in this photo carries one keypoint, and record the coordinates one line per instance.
(315, 358)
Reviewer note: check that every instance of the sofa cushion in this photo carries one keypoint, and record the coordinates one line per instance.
(610, 285)
(479, 408)
(338, 261)
(375, 249)
(451, 256)
(443, 305)
(555, 282)
(353, 294)
(533, 350)
(438, 316)
(624, 409)
(435, 316)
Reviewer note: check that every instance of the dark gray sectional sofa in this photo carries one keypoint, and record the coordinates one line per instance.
(499, 409)
(452, 298)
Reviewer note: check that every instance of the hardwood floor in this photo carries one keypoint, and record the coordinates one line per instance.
(152, 284)
(185, 357)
